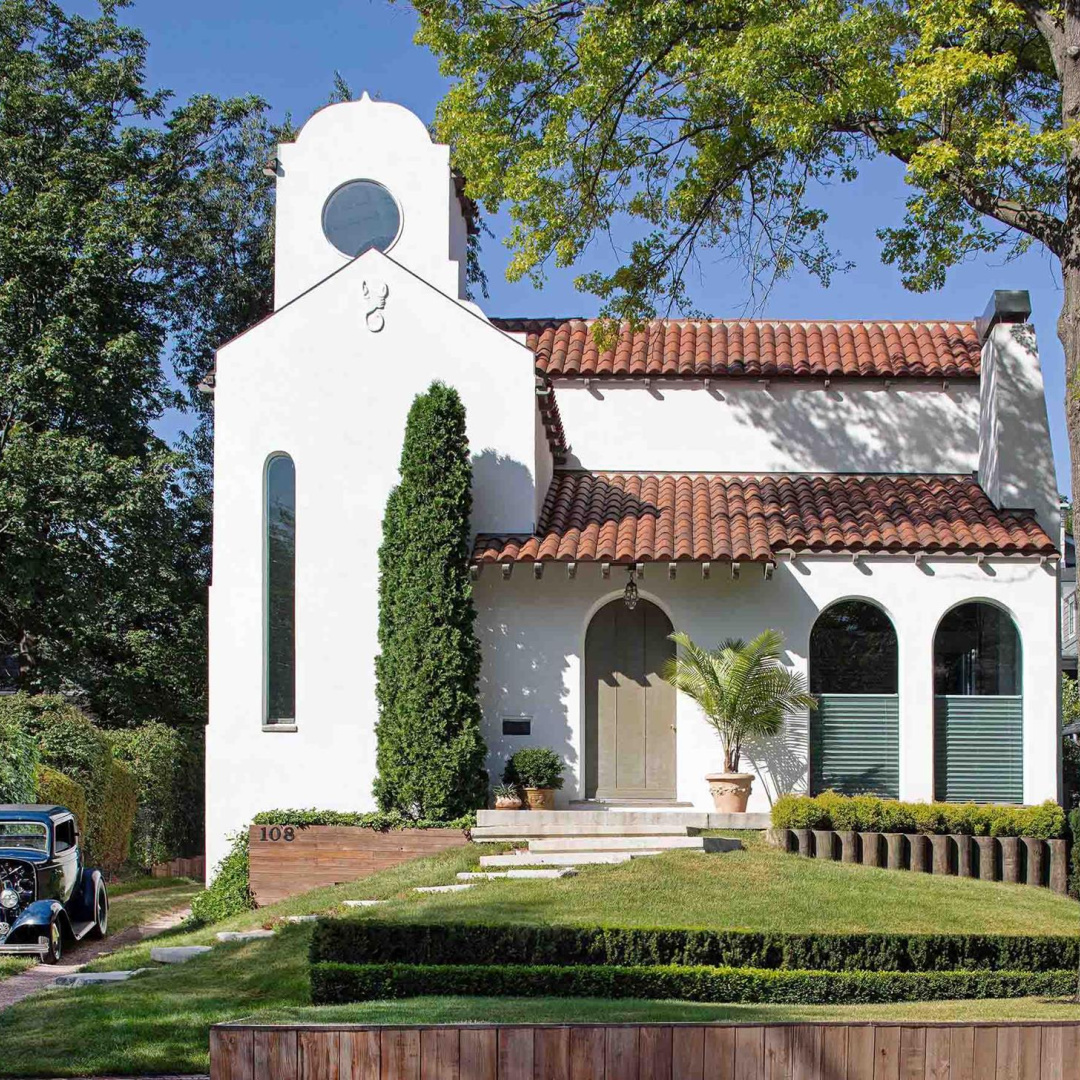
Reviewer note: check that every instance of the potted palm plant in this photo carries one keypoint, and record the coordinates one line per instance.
(745, 691)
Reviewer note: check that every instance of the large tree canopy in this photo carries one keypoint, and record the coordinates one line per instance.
(112, 226)
(713, 125)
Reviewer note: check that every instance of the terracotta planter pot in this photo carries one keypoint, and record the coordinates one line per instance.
(986, 846)
(919, 845)
(540, 798)
(1059, 866)
(803, 842)
(942, 853)
(895, 842)
(1035, 858)
(823, 844)
(965, 855)
(871, 849)
(1010, 859)
(730, 791)
(507, 804)
(849, 846)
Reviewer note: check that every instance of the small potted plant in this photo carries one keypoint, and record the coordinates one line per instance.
(537, 769)
(745, 691)
(507, 797)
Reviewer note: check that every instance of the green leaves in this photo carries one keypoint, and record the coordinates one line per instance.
(743, 688)
(430, 752)
(711, 127)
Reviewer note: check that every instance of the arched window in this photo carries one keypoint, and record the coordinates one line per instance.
(977, 651)
(855, 728)
(978, 710)
(280, 598)
(853, 650)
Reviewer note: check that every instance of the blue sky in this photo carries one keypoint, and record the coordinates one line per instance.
(287, 53)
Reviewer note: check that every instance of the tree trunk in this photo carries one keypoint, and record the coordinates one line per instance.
(1069, 319)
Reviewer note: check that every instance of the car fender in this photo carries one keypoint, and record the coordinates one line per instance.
(35, 920)
(81, 905)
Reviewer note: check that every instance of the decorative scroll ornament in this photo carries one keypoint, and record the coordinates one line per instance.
(375, 293)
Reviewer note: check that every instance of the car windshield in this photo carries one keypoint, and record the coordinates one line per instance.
(31, 835)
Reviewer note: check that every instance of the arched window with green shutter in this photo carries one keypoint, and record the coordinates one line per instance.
(978, 706)
(855, 729)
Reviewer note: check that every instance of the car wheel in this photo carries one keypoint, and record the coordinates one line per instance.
(56, 942)
(101, 912)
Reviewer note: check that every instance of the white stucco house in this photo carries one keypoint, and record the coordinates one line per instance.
(882, 492)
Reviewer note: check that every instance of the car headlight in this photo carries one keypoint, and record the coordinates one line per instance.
(9, 899)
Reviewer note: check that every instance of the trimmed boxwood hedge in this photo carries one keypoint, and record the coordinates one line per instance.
(366, 941)
(867, 813)
(333, 983)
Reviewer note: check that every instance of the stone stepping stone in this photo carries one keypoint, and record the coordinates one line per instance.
(362, 903)
(243, 935)
(492, 875)
(93, 978)
(300, 918)
(443, 888)
(177, 954)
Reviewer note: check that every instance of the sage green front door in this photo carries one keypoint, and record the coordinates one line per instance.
(629, 708)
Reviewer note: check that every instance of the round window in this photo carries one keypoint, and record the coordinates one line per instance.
(360, 215)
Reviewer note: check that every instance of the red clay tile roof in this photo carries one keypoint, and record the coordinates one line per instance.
(654, 517)
(669, 348)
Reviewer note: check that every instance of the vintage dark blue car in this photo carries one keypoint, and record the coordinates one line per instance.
(48, 898)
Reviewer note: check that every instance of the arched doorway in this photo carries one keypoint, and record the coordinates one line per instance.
(629, 708)
(855, 729)
(978, 707)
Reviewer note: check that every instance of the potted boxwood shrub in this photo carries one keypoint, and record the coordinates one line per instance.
(507, 797)
(745, 691)
(537, 769)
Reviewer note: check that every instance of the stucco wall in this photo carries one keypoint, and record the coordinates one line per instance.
(741, 425)
(315, 383)
(1016, 462)
(366, 140)
(533, 636)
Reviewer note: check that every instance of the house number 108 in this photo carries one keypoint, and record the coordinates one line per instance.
(276, 833)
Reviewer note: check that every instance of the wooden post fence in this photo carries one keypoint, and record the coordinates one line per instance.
(834, 1051)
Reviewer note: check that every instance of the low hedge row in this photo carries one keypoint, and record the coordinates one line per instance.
(333, 983)
(866, 813)
(380, 820)
(365, 941)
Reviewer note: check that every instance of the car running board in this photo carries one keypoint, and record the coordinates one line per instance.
(79, 930)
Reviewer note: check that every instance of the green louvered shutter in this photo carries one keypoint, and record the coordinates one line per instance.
(855, 744)
(978, 749)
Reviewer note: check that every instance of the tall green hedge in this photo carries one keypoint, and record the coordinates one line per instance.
(19, 761)
(112, 829)
(430, 752)
(59, 790)
(167, 764)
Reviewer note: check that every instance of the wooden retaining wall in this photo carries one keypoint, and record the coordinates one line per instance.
(290, 859)
(1018, 1051)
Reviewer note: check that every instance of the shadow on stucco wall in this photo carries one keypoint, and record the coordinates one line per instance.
(524, 675)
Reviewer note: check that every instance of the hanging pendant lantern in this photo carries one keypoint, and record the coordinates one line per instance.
(630, 593)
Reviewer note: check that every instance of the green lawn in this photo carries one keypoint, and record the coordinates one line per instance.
(158, 1022)
(137, 907)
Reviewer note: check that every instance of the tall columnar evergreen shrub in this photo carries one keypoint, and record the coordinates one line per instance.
(430, 752)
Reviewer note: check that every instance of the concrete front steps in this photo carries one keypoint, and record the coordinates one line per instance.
(615, 843)
(543, 824)
(561, 858)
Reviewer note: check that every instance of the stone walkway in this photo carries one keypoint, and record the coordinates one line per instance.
(22, 985)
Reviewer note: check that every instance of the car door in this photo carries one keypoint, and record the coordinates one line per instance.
(66, 855)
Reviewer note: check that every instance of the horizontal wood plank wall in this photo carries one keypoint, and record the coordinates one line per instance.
(1036, 1051)
(330, 854)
